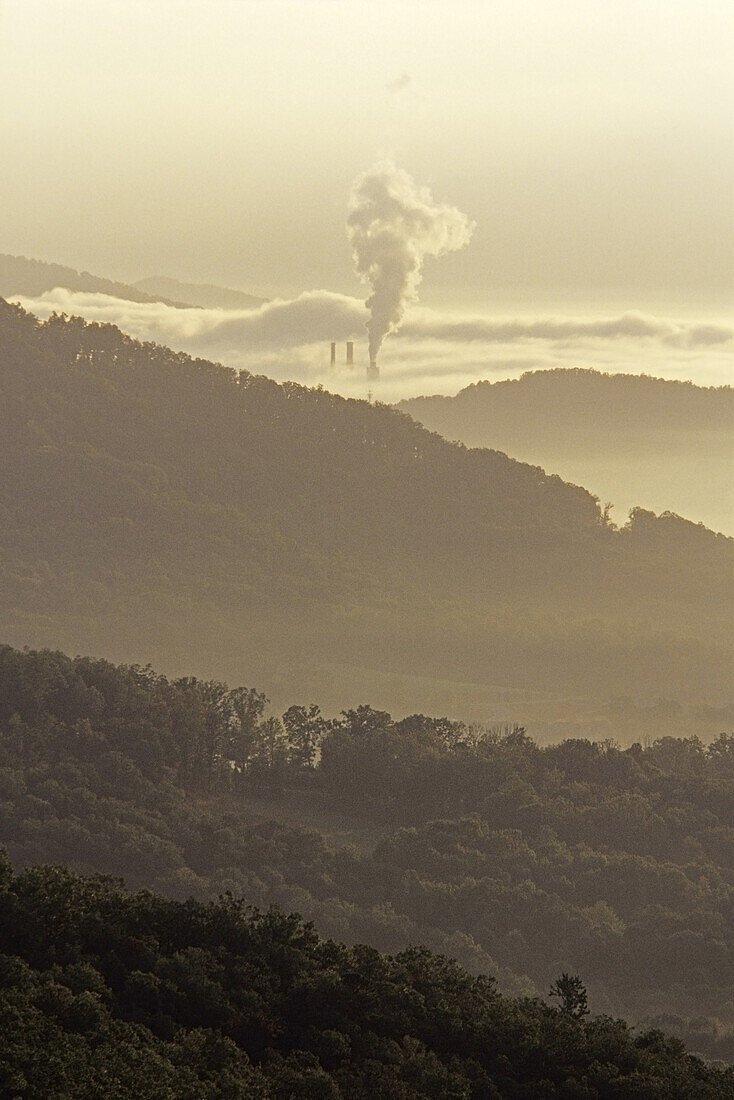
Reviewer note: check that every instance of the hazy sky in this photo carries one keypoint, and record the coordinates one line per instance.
(592, 142)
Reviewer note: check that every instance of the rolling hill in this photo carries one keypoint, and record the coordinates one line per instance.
(22, 276)
(106, 993)
(631, 439)
(156, 507)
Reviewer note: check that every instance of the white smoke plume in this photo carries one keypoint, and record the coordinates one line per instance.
(392, 226)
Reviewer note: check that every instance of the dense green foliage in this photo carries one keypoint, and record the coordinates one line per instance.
(154, 507)
(520, 861)
(104, 993)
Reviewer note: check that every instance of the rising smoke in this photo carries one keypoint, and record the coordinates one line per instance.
(392, 225)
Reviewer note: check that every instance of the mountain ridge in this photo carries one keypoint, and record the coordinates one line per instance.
(519, 861)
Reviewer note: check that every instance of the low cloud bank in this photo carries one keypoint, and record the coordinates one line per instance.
(630, 325)
(314, 317)
(433, 352)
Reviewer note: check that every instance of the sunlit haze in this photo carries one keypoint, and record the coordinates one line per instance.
(367, 549)
(592, 144)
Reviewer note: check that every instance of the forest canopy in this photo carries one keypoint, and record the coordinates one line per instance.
(520, 861)
(108, 993)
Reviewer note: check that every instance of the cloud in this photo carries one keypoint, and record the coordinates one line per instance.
(319, 316)
(630, 325)
(433, 351)
(312, 317)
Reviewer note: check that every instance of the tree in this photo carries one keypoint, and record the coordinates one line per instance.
(365, 720)
(305, 728)
(269, 755)
(572, 994)
(246, 709)
(444, 731)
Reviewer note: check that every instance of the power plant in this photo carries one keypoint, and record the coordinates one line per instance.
(373, 370)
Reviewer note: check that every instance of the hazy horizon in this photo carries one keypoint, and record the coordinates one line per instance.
(218, 142)
(434, 351)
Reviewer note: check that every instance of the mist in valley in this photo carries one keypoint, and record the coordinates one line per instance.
(366, 551)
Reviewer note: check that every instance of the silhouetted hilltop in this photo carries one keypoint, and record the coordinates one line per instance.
(30, 278)
(156, 506)
(205, 295)
(632, 439)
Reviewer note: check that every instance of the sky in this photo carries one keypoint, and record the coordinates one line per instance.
(591, 142)
(590, 145)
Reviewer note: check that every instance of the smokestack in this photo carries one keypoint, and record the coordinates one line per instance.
(373, 371)
(333, 354)
(350, 353)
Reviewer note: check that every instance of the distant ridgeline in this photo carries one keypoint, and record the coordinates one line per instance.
(631, 438)
(159, 507)
(523, 863)
(31, 278)
(204, 295)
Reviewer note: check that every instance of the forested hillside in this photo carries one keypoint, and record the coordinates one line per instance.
(104, 993)
(521, 862)
(157, 507)
(632, 439)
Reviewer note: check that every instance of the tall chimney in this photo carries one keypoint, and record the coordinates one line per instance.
(373, 371)
(350, 353)
(333, 353)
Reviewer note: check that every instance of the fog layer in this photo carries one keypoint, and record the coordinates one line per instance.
(434, 352)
